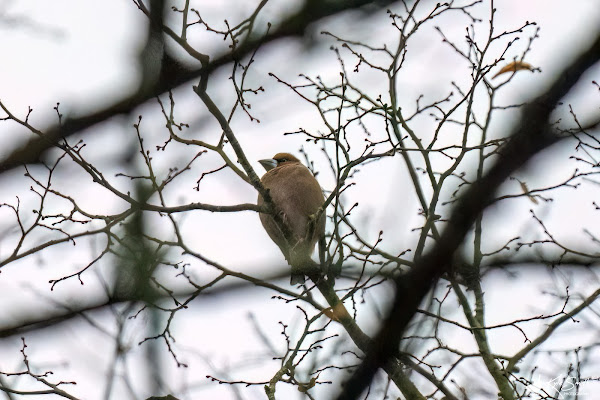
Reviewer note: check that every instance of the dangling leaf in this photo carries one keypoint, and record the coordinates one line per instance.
(514, 67)
(525, 190)
(302, 387)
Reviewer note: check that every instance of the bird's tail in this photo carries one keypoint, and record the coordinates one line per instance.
(297, 279)
(302, 265)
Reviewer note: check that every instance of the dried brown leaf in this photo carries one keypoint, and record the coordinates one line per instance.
(525, 190)
(514, 67)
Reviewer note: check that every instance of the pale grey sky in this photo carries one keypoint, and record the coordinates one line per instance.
(83, 54)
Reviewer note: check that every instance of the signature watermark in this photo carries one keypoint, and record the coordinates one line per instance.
(561, 386)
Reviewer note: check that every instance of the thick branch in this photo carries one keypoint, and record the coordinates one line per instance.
(173, 75)
(530, 135)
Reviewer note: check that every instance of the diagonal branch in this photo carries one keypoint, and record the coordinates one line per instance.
(551, 328)
(173, 75)
(530, 135)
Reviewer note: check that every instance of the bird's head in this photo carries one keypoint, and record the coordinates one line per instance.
(277, 160)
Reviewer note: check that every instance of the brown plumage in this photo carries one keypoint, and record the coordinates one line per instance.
(297, 195)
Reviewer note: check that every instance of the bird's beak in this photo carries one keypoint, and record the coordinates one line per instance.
(268, 163)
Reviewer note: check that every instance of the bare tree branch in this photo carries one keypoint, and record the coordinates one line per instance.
(532, 134)
(173, 75)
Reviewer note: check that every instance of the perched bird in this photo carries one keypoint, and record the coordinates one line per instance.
(297, 195)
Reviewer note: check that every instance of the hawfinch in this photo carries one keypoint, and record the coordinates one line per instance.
(297, 195)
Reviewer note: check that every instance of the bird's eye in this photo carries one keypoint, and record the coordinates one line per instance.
(282, 160)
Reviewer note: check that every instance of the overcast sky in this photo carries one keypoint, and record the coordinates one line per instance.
(83, 54)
